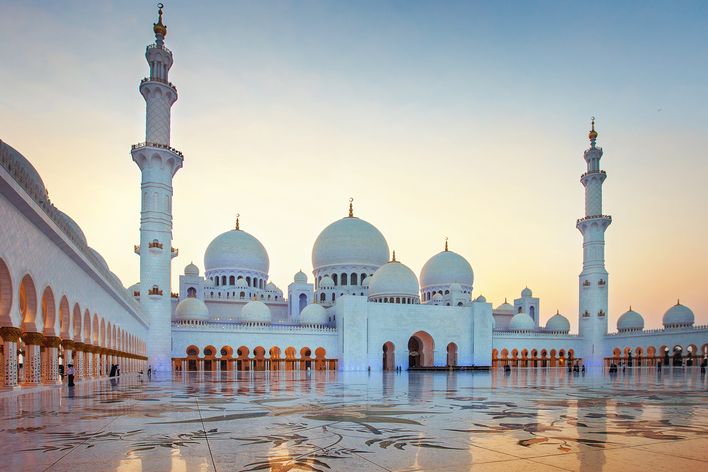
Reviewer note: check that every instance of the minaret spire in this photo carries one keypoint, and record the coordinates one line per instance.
(445, 243)
(238, 226)
(158, 162)
(351, 207)
(593, 280)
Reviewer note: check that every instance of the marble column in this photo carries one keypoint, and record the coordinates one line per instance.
(79, 360)
(88, 361)
(51, 350)
(33, 362)
(10, 336)
(68, 347)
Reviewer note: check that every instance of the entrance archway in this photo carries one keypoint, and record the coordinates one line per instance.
(420, 350)
(451, 355)
(389, 356)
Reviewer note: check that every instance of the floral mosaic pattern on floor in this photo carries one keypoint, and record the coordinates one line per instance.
(328, 421)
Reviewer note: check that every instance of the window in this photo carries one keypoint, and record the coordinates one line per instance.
(344, 279)
(191, 292)
(353, 279)
(334, 278)
(232, 280)
(322, 297)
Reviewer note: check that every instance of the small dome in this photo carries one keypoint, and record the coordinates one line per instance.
(630, 321)
(236, 250)
(365, 282)
(350, 241)
(313, 314)
(191, 309)
(505, 309)
(300, 278)
(192, 270)
(22, 170)
(522, 322)
(271, 287)
(133, 288)
(678, 316)
(437, 297)
(326, 281)
(241, 283)
(255, 312)
(394, 279)
(526, 293)
(445, 268)
(481, 299)
(100, 258)
(73, 227)
(557, 324)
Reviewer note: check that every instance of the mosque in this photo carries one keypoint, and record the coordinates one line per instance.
(361, 309)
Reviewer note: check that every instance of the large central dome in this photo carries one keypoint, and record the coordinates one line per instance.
(236, 249)
(445, 268)
(350, 241)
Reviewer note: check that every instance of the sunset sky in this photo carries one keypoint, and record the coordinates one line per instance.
(458, 119)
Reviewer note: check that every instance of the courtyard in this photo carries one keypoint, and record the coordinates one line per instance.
(529, 419)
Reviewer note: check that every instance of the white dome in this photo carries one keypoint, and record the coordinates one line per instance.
(505, 308)
(522, 322)
(100, 258)
(73, 226)
(133, 288)
(349, 241)
(241, 282)
(22, 170)
(313, 314)
(437, 297)
(455, 287)
(630, 321)
(326, 281)
(526, 293)
(394, 279)
(481, 299)
(300, 278)
(557, 324)
(445, 268)
(255, 312)
(678, 315)
(271, 287)
(365, 282)
(191, 269)
(236, 249)
(192, 309)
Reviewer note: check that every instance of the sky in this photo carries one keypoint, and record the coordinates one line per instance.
(465, 120)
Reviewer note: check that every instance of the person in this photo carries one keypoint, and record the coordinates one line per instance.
(114, 368)
(149, 372)
(118, 370)
(583, 369)
(507, 369)
(70, 374)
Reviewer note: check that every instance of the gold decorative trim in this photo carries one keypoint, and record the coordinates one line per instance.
(10, 334)
(52, 341)
(67, 344)
(33, 339)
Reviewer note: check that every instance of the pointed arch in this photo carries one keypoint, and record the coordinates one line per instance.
(5, 294)
(28, 304)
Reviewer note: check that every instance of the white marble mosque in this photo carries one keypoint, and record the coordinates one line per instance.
(359, 308)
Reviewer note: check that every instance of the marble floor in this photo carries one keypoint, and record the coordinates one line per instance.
(528, 420)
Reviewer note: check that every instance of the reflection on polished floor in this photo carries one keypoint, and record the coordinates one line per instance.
(339, 421)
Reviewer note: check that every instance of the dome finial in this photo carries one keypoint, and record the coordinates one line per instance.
(445, 243)
(351, 207)
(678, 301)
(393, 257)
(592, 134)
(558, 311)
(159, 28)
(238, 226)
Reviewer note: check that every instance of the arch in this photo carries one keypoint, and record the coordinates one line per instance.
(232, 280)
(243, 352)
(343, 279)
(389, 356)
(353, 279)
(704, 350)
(226, 352)
(305, 353)
(49, 312)
(532, 312)
(302, 302)
(96, 328)
(76, 321)
(322, 297)
(290, 352)
(5, 294)
(28, 304)
(451, 355)
(420, 350)
(192, 351)
(259, 352)
(64, 318)
(191, 292)
(335, 279)
(87, 328)
(274, 352)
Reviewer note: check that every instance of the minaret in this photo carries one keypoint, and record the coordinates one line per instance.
(158, 163)
(593, 280)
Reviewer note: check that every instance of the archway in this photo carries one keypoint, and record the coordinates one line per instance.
(259, 358)
(28, 304)
(495, 358)
(274, 354)
(320, 358)
(5, 294)
(64, 318)
(290, 358)
(302, 302)
(242, 362)
(209, 357)
(192, 354)
(389, 356)
(305, 358)
(451, 355)
(48, 312)
(420, 350)
(227, 353)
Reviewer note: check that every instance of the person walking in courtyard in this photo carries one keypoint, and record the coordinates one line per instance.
(70, 374)
(149, 372)
(114, 368)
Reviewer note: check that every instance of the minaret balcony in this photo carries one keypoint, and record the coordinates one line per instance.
(136, 249)
(155, 292)
(135, 147)
(601, 174)
(603, 220)
(157, 46)
(160, 80)
(174, 295)
(174, 252)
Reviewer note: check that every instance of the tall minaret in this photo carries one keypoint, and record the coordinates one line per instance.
(158, 163)
(593, 279)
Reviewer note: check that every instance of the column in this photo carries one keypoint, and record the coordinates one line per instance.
(33, 362)
(68, 346)
(51, 349)
(10, 336)
(88, 360)
(78, 360)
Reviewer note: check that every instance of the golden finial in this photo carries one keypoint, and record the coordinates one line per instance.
(238, 226)
(158, 27)
(351, 207)
(505, 300)
(446, 243)
(630, 307)
(558, 311)
(393, 257)
(678, 301)
(592, 134)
